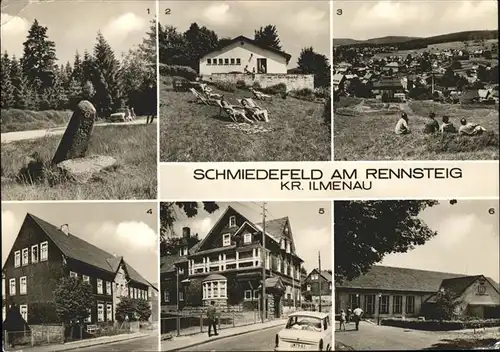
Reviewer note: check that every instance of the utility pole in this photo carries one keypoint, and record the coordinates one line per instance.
(319, 279)
(177, 286)
(263, 294)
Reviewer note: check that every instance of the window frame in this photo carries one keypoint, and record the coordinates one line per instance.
(46, 245)
(247, 238)
(224, 237)
(387, 306)
(26, 311)
(102, 308)
(397, 304)
(12, 292)
(27, 252)
(99, 287)
(232, 219)
(17, 259)
(109, 309)
(412, 300)
(25, 292)
(73, 274)
(35, 246)
(166, 296)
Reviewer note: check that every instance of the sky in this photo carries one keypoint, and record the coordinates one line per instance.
(467, 242)
(372, 19)
(312, 231)
(300, 23)
(126, 229)
(73, 25)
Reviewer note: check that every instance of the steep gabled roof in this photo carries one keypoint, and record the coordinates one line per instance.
(327, 274)
(78, 249)
(399, 279)
(242, 38)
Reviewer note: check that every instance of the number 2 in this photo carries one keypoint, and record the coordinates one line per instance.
(168, 11)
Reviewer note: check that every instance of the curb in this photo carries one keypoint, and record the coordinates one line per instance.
(100, 343)
(216, 339)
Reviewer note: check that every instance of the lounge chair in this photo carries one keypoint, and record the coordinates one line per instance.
(259, 113)
(234, 112)
(200, 97)
(207, 100)
(259, 95)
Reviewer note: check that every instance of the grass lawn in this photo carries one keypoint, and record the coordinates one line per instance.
(135, 176)
(192, 132)
(365, 131)
(24, 120)
(462, 343)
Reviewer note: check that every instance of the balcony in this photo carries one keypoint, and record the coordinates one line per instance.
(235, 260)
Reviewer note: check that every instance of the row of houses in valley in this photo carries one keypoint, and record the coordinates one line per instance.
(226, 267)
(448, 73)
(385, 292)
(43, 253)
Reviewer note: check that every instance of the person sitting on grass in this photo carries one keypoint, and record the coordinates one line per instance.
(447, 126)
(431, 125)
(470, 129)
(402, 125)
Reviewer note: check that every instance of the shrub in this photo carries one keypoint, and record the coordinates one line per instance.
(225, 86)
(327, 113)
(181, 71)
(440, 325)
(304, 92)
(322, 92)
(279, 88)
(256, 85)
(240, 84)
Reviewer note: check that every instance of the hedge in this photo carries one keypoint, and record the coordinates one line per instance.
(274, 89)
(181, 71)
(441, 325)
(225, 86)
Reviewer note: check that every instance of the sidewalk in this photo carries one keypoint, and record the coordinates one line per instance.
(183, 342)
(81, 343)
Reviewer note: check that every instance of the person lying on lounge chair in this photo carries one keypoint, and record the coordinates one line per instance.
(253, 110)
(470, 128)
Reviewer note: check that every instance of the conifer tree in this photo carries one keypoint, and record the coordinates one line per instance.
(7, 89)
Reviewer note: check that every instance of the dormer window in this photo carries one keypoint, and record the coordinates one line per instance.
(183, 251)
(288, 247)
(226, 239)
(232, 221)
(283, 244)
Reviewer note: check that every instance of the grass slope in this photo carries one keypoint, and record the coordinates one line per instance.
(369, 134)
(24, 120)
(192, 132)
(135, 177)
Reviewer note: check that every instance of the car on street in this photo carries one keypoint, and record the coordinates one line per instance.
(305, 330)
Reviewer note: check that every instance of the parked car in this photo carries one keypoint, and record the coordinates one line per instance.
(119, 116)
(493, 346)
(305, 331)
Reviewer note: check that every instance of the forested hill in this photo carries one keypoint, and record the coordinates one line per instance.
(412, 42)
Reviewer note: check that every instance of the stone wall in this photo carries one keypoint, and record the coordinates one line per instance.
(47, 334)
(293, 82)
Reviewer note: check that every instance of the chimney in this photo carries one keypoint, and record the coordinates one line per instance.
(186, 232)
(65, 228)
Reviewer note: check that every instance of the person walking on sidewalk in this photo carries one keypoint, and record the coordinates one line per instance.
(358, 313)
(212, 319)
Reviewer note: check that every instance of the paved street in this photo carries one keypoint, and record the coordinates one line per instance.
(254, 341)
(375, 337)
(35, 134)
(149, 343)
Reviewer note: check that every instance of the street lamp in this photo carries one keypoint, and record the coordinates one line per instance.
(177, 287)
(379, 303)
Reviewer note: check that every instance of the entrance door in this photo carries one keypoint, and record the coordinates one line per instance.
(261, 65)
(277, 306)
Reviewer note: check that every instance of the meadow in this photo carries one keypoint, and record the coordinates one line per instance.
(193, 132)
(14, 120)
(364, 130)
(133, 177)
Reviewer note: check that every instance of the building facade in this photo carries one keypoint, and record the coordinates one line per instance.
(244, 55)
(226, 266)
(318, 286)
(42, 254)
(390, 292)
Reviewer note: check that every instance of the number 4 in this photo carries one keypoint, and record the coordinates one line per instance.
(150, 211)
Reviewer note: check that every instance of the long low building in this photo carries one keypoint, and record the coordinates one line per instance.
(400, 292)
